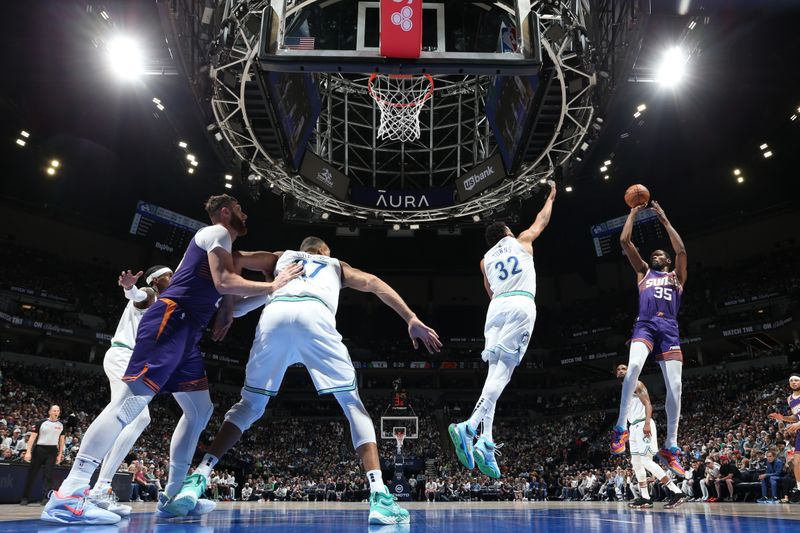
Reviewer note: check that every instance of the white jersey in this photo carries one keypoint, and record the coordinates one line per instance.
(322, 279)
(125, 336)
(509, 269)
(636, 412)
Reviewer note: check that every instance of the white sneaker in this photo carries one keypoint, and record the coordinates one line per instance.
(106, 499)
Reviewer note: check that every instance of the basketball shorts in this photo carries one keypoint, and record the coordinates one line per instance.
(509, 324)
(638, 443)
(301, 331)
(661, 337)
(166, 357)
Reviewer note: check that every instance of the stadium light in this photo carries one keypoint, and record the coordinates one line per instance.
(21, 142)
(641, 108)
(672, 69)
(764, 147)
(190, 170)
(603, 168)
(793, 117)
(476, 218)
(607, 162)
(51, 171)
(156, 100)
(396, 227)
(740, 179)
(325, 215)
(55, 163)
(606, 177)
(190, 157)
(160, 107)
(193, 162)
(767, 154)
(229, 186)
(25, 134)
(568, 188)
(737, 172)
(182, 144)
(104, 15)
(125, 58)
(413, 226)
(228, 177)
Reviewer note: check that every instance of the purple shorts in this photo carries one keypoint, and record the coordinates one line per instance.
(166, 357)
(661, 337)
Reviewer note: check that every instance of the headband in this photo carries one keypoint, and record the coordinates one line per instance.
(157, 274)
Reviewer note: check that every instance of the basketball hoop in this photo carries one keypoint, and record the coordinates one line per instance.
(400, 436)
(400, 98)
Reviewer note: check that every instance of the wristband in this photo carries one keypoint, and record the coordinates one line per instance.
(135, 294)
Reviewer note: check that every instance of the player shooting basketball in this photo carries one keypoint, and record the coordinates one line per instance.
(656, 330)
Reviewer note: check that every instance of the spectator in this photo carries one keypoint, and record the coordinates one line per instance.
(730, 475)
(771, 478)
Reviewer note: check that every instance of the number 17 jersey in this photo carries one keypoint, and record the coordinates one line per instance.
(509, 269)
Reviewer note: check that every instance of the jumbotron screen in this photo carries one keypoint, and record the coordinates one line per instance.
(508, 110)
(167, 230)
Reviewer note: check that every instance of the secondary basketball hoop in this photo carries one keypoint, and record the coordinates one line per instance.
(400, 98)
(399, 436)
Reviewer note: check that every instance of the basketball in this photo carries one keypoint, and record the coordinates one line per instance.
(637, 195)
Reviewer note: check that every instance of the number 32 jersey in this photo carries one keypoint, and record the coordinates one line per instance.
(659, 295)
(509, 269)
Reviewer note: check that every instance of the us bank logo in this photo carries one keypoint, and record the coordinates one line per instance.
(474, 180)
(325, 177)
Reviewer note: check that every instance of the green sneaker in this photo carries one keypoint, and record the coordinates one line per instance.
(484, 452)
(181, 504)
(383, 509)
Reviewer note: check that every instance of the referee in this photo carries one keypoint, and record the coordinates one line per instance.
(45, 449)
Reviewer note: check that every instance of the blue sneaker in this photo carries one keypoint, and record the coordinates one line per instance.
(165, 507)
(76, 509)
(383, 509)
(484, 457)
(462, 436)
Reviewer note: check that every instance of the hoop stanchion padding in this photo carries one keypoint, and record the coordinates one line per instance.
(400, 98)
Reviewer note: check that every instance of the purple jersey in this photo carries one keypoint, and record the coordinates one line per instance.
(659, 295)
(192, 286)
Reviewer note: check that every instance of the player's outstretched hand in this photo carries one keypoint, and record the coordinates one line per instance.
(127, 280)
(420, 332)
(553, 189)
(635, 210)
(287, 275)
(662, 217)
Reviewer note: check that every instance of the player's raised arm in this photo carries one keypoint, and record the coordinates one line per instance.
(142, 298)
(364, 282)
(263, 262)
(676, 242)
(626, 242)
(227, 281)
(529, 235)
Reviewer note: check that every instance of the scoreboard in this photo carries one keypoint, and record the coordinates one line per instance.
(167, 230)
(646, 230)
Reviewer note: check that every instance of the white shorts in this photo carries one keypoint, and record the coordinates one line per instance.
(509, 324)
(115, 363)
(302, 331)
(639, 444)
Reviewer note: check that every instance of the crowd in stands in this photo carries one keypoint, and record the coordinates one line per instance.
(311, 458)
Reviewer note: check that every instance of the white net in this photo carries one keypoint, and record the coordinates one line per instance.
(400, 98)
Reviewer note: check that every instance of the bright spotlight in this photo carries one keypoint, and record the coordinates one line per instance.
(568, 188)
(606, 177)
(793, 117)
(183, 144)
(193, 163)
(637, 114)
(767, 154)
(229, 186)
(125, 58)
(190, 170)
(51, 171)
(325, 215)
(764, 146)
(413, 226)
(672, 68)
(740, 179)
(55, 163)
(190, 157)
(396, 227)
(641, 107)
(21, 142)
(25, 134)
(607, 162)
(736, 172)
(476, 218)
(228, 177)
(603, 168)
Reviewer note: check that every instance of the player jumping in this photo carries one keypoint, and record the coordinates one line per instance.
(114, 363)
(166, 359)
(510, 279)
(655, 330)
(794, 423)
(643, 445)
(298, 325)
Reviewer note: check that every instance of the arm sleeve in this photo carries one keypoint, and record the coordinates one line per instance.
(136, 294)
(212, 237)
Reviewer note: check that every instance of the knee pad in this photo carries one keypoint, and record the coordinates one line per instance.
(247, 410)
(130, 408)
(362, 430)
(143, 420)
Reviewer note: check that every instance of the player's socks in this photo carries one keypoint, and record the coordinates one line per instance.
(673, 487)
(80, 474)
(375, 480)
(645, 492)
(206, 465)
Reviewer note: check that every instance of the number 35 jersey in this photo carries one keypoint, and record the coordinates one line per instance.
(509, 269)
(659, 295)
(321, 279)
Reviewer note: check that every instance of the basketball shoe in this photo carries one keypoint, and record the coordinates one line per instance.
(187, 500)
(106, 499)
(202, 507)
(676, 499)
(671, 456)
(383, 509)
(484, 452)
(641, 503)
(618, 440)
(76, 509)
(462, 436)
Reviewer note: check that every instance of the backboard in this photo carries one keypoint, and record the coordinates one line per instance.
(458, 37)
(390, 423)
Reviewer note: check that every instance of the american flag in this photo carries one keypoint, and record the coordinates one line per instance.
(299, 43)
